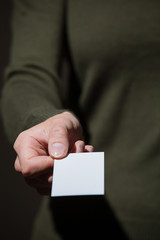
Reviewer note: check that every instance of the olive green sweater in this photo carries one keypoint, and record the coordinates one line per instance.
(114, 51)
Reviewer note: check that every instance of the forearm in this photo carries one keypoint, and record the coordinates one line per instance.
(31, 91)
(25, 105)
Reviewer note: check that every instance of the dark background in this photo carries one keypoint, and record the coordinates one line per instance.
(18, 202)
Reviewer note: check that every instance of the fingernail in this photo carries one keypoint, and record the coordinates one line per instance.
(89, 148)
(57, 150)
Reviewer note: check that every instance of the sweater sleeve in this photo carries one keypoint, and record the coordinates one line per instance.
(31, 91)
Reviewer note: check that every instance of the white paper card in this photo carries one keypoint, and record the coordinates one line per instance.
(79, 174)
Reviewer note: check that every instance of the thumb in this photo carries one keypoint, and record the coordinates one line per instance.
(58, 143)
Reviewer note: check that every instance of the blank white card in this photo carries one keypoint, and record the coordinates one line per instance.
(79, 174)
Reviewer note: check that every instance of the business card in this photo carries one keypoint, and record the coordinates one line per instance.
(79, 174)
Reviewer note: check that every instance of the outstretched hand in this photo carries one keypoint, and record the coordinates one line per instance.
(38, 146)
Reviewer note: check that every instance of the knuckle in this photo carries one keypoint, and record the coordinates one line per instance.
(15, 146)
(59, 131)
(18, 141)
(26, 170)
(16, 165)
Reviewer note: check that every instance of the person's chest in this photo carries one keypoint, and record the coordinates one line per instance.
(103, 30)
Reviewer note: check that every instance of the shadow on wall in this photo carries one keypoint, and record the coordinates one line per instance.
(18, 202)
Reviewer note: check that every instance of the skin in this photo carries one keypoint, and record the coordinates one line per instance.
(38, 146)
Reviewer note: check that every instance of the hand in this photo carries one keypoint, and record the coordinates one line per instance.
(37, 147)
